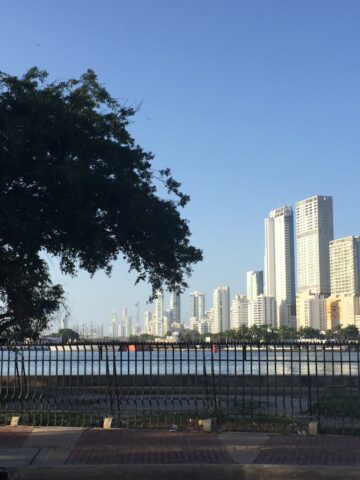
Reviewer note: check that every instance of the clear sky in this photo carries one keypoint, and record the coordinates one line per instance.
(253, 105)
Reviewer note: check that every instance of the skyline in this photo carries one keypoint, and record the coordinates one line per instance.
(287, 233)
(253, 105)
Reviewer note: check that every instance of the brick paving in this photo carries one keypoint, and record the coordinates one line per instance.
(306, 450)
(137, 447)
(13, 439)
(120, 446)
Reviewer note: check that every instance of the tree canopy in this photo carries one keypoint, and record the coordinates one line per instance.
(75, 184)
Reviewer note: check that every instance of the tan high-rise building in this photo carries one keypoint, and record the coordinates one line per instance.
(343, 306)
(345, 266)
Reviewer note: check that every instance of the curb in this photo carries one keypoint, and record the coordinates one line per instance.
(179, 472)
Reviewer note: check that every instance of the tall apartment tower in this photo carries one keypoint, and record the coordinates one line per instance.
(221, 308)
(279, 274)
(254, 284)
(345, 266)
(113, 325)
(314, 232)
(147, 322)
(197, 305)
(159, 314)
(175, 307)
(343, 306)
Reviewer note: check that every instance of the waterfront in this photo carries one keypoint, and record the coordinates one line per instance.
(184, 360)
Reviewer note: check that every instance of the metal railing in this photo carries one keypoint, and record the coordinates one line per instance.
(156, 385)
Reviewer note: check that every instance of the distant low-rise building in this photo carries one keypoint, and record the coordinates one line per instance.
(239, 312)
(262, 311)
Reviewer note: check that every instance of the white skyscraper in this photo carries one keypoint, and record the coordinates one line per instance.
(197, 305)
(147, 322)
(175, 307)
(114, 325)
(221, 306)
(239, 312)
(314, 232)
(159, 314)
(279, 281)
(254, 284)
(128, 326)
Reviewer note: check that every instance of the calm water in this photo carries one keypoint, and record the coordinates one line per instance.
(187, 361)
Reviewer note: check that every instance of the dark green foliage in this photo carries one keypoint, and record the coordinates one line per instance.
(67, 334)
(269, 334)
(75, 184)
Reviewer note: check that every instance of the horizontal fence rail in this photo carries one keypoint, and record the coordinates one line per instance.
(242, 385)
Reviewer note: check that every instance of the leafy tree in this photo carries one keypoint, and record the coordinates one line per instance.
(351, 332)
(75, 185)
(309, 333)
(243, 333)
(190, 336)
(286, 333)
(68, 335)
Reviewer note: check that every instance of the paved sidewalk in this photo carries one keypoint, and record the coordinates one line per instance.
(27, 452)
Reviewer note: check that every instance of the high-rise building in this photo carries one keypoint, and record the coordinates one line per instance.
(279, 281)
(254, 284)
(197, 305)
(345, 266)
(82, 330)
(314, 232)
(64, 322)
(128, 326)
(262, 311)
(239, 314)
(113, 325)
(100, 330)
(221, 306)
(175, 307)
(147, 322)
(159, 314)
(343, 306)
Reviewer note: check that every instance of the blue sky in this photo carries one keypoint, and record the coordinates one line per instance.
(253, 105)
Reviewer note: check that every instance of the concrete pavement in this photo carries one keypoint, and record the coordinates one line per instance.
(52, 453)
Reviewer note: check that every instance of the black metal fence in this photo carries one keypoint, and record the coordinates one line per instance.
(245, 386)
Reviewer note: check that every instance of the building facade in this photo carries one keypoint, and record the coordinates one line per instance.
(254, 284)
(175, 306)
(314, 232)
(262, 311)
(197, 305)
(159, 314)
(279, 264)
(345, 266)
(239, 314)
(343, 306)
(311, 310)
(221, 310)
